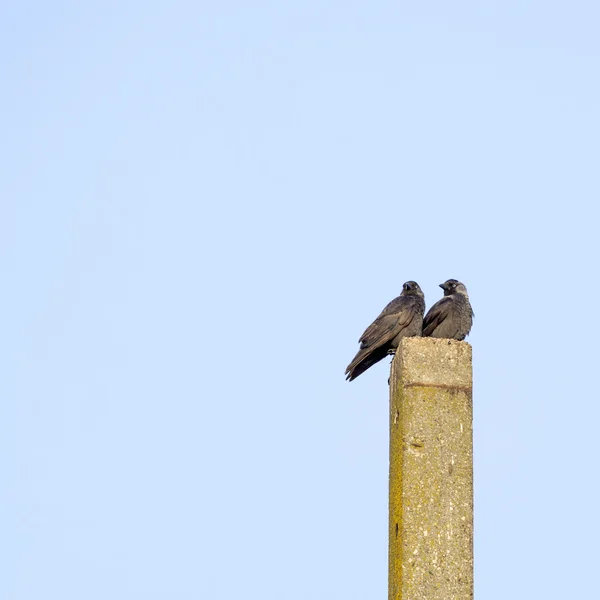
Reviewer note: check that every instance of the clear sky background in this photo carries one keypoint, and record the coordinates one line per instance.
(203, 204)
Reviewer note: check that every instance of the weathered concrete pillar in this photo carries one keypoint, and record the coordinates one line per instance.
(431, 471)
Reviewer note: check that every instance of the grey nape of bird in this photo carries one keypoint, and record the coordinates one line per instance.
(402, 317)
(452, 316)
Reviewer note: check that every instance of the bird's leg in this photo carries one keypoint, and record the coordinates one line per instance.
(391, 352)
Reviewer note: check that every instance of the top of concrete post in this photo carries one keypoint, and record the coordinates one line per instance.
(434, 362)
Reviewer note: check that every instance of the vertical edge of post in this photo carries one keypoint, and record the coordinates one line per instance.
(395, 549)
(431, 471)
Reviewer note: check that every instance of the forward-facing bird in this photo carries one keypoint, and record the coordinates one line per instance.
(452, 316)
(402, 317)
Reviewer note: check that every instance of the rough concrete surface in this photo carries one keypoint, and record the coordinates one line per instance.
(431, 471)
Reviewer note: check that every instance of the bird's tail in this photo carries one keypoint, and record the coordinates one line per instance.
(362, 362)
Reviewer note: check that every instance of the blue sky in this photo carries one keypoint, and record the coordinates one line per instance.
(204, 205)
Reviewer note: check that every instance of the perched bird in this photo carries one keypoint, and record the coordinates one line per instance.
(402, 317)
(452, 316)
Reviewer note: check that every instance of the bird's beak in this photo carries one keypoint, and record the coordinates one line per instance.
(443, 286)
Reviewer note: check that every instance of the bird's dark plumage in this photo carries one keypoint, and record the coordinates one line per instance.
(452, 316)
(402, 317)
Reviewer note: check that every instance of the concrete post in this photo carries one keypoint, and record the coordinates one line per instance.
(431, 471)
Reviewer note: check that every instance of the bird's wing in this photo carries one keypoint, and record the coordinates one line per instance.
(391, 309)
(374, 342)
(436, 315)
(387, 325)
(396, 305)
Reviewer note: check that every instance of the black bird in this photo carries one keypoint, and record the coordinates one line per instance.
(452, 316)
(402, 317)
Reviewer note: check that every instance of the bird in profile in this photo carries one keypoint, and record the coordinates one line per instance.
(402, 317)
(452, 316)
